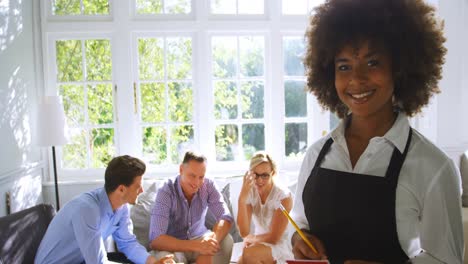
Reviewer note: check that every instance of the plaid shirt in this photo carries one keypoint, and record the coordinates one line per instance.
(172, 215)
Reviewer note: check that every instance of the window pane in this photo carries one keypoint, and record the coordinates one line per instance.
(293, 52)
(153, 102)
(224, 57)
(181, 140)
(66, 7)
(96, 7)
(225, 100)
(300, 7)
(253, 137)
(73, 103)
(251, 56)
(295, 140)
(223, 6)
(179, 58)
(149, 6)
(227, 143)
(314, 3)
(163, 6)
(177, 6)
(154, 145)
(252, 99)
(100, 100)
(98, 60)
(334, 120)
(151, 58)
(73, 7)
(69, 61)
(74, 152)
(251, 6)
(295, 97)
(294, 7)
(102, 147)
(86, 104)
(180, 102)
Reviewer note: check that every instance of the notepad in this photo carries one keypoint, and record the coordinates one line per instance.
(237, 251)
(304, 261)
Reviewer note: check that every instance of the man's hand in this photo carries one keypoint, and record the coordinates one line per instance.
(208, 245)
(302, 251)
(168, 259)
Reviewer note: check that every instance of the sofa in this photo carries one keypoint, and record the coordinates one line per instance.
(464, 176)
(22, 232)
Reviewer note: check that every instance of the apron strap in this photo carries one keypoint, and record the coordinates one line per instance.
(396, 162)
(323, 152)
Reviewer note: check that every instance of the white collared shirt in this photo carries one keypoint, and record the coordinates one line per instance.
(428, 195)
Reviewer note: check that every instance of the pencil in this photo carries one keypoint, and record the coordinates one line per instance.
(299, 231)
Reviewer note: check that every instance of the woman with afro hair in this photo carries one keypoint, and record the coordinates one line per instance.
(374, 190)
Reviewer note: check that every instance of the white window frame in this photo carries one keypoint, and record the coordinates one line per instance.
(123, 27)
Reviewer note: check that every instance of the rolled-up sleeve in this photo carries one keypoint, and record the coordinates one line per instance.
(160, 213)
(126, 240)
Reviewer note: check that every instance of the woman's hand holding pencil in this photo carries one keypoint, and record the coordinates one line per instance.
(301, 250)
(305, 245)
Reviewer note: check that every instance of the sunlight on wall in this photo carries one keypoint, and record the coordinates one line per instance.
(11, 22)
(18, 111)
(14, 114)
(25, 192)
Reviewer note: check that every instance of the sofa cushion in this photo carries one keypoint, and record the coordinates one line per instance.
(464, 176)
(141, 215)
(22, 232)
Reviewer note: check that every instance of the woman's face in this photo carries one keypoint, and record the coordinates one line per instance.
(263, 177)
(363, 79)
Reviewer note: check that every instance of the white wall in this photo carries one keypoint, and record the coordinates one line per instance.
(20, 161)
(452, 109)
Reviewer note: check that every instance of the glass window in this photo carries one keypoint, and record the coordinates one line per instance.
(295, 97)
(299, 7)
(84, 75)
(163, 6)
(166, 95)
(238, 84)
(236, 7)
(80, 7)
(152, 82)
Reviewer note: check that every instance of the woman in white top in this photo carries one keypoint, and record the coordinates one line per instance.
(259, 201)
(375, 190)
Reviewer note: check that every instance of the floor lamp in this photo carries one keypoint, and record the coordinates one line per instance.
(51, 130)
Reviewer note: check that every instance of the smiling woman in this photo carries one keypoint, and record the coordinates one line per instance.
(259, 202)
(369, 191)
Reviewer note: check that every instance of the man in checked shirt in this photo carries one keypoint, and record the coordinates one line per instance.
(178, 217)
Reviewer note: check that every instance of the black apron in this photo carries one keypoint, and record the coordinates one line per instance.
(354, 214)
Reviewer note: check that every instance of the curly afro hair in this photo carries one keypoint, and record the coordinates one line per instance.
(407, 29)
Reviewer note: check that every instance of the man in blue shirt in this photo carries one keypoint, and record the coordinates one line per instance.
(77, 233)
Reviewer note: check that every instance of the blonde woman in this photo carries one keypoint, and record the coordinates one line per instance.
(259, 202)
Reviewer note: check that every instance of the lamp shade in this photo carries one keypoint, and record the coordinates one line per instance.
(51, 125)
